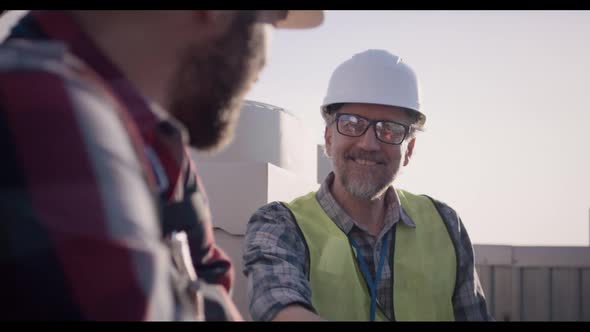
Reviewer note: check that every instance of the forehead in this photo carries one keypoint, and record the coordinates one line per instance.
(375, 111)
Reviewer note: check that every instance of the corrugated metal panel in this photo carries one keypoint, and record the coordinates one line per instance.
(565, 296)
(585, 294)
(535, 294)
(517, 293)
(502, 293)
(544, 283)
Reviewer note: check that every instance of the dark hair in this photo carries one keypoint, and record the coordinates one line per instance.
(332, 108)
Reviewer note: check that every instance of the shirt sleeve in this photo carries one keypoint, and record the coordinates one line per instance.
(79, 230)
(469, 302)
(275, 262)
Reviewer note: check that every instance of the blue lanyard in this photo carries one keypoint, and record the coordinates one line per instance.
(373, 284)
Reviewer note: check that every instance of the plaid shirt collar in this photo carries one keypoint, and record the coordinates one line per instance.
(394, 212)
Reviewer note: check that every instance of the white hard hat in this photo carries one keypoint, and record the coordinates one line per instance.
(375, 77)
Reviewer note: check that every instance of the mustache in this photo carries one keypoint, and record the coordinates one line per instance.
(374, 156)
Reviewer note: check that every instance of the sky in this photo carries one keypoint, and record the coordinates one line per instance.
(507, 98)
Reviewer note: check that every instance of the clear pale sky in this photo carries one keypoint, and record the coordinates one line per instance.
(507, 96)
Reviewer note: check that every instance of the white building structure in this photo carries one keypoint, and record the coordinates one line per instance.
(273, 157)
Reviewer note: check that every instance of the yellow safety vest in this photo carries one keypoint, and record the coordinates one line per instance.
(424, 264)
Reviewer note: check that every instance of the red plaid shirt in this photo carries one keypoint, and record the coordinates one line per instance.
(79, 222)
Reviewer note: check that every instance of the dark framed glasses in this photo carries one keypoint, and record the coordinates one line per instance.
(389, 132)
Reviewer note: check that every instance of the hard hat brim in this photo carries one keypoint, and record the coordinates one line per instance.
(301, 19)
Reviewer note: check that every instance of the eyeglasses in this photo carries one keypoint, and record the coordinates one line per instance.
(389, 132)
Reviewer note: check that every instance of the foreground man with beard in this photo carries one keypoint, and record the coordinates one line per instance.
(102, 213)
(358, 248)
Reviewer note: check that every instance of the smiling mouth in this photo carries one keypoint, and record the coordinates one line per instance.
(365, 162)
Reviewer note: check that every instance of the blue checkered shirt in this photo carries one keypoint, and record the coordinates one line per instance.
(276, 262)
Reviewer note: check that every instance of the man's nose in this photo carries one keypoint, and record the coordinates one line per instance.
(368, 140)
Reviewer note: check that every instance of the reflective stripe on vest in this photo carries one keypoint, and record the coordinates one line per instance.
(424, 265)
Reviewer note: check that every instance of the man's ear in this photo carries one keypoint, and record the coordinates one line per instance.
(327, 140)
(409, 151)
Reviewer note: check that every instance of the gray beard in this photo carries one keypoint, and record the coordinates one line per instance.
(365, 190)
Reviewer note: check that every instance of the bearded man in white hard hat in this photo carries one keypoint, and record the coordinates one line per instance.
(358, 248)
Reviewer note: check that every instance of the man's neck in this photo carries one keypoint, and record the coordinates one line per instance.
(370, 213)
